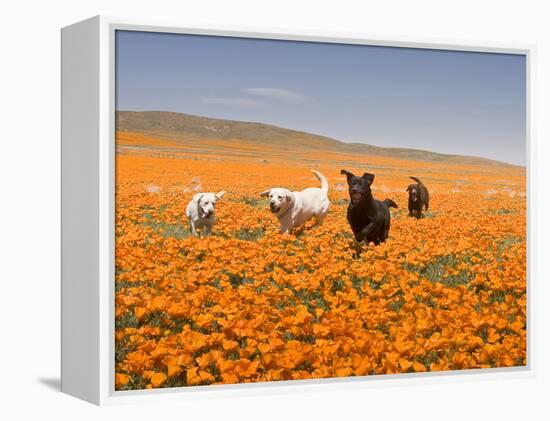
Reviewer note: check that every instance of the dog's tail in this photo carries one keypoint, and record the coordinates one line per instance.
(417, 180)
(322, 179)
(390, 203)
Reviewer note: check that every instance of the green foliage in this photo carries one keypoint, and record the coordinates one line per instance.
(250, 234)
(178, 231)
(128, 319)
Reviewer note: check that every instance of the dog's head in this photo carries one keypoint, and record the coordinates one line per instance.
(359, 187)
(206, 202)
(279, 199)
(414, 192)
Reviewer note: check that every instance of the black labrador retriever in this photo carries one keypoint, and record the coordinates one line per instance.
(369, 218)
(418, 198)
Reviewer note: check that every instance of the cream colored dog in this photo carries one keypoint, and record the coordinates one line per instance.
(200, 211)
(293, 209)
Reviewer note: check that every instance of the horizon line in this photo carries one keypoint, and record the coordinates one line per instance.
(325, 136)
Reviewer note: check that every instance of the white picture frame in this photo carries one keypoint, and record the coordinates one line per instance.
(88, 151)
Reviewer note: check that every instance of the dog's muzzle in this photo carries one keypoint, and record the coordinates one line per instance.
(274, 208)
(356, 197)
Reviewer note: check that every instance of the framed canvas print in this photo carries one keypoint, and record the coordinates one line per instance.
(247, 210)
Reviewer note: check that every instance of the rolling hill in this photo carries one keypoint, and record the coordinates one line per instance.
(178, 126)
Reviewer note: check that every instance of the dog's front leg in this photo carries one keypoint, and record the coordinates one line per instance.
(192, 227)
(286, 225)
(358, 236)
(365, 232)
(285, 228)
(207, 229)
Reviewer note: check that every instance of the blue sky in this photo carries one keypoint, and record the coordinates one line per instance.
(443, 101)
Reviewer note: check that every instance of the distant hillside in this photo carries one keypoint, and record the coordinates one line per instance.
(176, 126)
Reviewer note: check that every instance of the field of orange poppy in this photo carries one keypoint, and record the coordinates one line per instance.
(247, 304)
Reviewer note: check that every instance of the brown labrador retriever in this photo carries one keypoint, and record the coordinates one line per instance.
(418, 198)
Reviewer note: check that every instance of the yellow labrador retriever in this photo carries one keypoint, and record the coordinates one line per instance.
(200, 211)
(293, 209)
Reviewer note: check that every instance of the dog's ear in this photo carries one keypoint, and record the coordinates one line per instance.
(408, 188)
(265, 193)
(347, 174)
(289, 195)
(219, 194)
(369, 177)
(197, 197)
